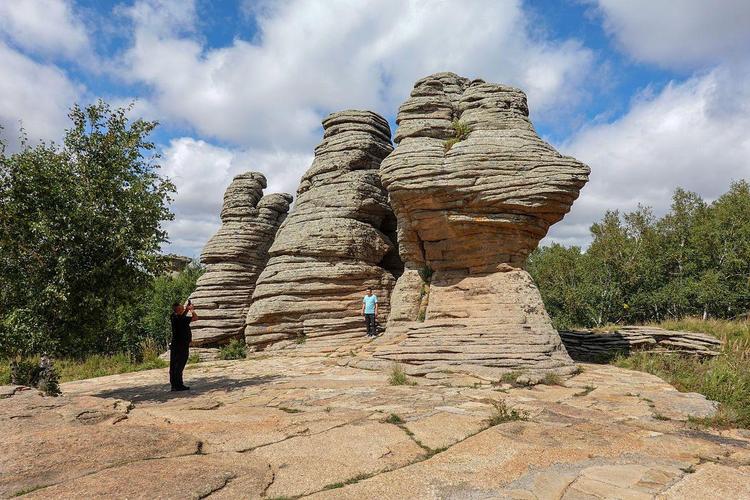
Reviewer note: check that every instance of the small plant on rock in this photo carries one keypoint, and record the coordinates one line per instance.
(552, 379)
(394, 419)
(510, 377)
(585, 392)
(398, 376)
(502, 413)
(461, 131)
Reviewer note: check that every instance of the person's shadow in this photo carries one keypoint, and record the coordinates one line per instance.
(159, 393)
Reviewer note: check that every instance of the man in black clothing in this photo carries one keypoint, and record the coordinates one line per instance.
(179, 349)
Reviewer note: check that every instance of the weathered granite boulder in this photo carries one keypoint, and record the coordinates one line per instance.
(338, 241)
(474, 190)
(234, 257)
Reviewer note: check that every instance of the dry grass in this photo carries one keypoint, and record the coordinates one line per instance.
(725, 379)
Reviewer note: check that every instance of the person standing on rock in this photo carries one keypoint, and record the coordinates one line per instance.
(179, 349)
(370, 311)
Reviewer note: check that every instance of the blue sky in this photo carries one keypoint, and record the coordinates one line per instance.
(651, 94)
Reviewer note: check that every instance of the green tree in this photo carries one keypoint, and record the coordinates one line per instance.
(80, 232)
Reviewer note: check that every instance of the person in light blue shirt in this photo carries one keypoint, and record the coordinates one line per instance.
(370, 310)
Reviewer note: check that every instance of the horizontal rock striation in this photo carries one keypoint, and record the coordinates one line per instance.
(474, 190)
(587, 344)
(337, 242)
(234, 258)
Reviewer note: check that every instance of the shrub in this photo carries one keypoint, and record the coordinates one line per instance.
(24, 371)
(48, 380)
(235, 349)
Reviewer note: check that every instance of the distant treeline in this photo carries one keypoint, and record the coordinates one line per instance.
(693, 261)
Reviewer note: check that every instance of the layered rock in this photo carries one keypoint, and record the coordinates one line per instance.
(337, 242)
(234, 258)
(588, 344)
(474, 189)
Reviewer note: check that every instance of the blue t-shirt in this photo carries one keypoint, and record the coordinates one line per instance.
(369, 301)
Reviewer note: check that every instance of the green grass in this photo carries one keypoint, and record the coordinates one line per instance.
(352, 480)
(96, 365)
(193, 359)
(552, 379)
(460, 132)
(394, 419)
(510, 377)
(585, 392)
(235, 349)
(99, 366)
(502, 413)
(725, 378)
(26, 491)
(398, 377)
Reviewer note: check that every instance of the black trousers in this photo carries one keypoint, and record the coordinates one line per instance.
(370, 322)
(178, 356)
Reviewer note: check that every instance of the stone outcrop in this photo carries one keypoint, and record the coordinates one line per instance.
(289, 427)
(474, 190)
(234, 258)
(337, 242)
(587, 344)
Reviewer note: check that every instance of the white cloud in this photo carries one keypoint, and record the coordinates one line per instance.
(36, 95)
(49, 27)
(679, 33)
(310, 58)
(692, 134)
(307, 59)
(201, 173)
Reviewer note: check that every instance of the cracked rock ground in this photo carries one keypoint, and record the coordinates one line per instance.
(307, 426)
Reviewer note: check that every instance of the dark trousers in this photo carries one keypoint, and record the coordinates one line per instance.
(370, 322)
(178, 356)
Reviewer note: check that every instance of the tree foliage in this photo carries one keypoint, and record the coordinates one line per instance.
(695, 260)
(80, 233)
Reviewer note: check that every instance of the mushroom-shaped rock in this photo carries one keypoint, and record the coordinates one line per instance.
(234, 258)
(474, 190)
(337, 242)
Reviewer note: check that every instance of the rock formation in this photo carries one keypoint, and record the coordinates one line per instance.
(234, 257)
(587, 344)
(474, 190)
(337, 242)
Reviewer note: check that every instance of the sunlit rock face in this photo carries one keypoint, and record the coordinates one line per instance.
(338, 241)
(234, 258)
(474, 190)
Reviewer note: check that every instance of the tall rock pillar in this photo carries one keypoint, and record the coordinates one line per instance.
(337, 242)
(234, 258)
(474, 190)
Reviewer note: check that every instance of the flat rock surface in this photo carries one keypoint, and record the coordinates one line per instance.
(285, 426)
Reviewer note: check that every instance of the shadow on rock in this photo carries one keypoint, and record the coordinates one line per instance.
(159, 393)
